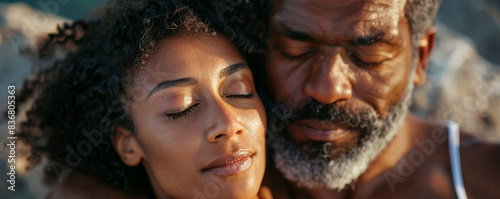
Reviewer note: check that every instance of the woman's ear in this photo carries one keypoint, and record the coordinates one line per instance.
(127, 146)
(425, 46)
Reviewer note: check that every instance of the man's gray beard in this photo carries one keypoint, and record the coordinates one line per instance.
(298, 166)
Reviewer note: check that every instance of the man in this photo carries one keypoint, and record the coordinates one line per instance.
(339, 77)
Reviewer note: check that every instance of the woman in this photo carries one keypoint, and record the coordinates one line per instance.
(153, 99)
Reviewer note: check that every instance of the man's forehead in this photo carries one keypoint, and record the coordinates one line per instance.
(337, 5)
(356, 16)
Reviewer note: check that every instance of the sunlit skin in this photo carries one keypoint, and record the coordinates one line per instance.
(225, 117)
(332, 61)
(200, 105)
(358, 54)
(335, 67)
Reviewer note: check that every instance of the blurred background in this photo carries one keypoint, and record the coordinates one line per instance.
(463, 81)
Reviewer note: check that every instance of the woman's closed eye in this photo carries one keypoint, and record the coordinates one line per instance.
(242, 96)
(183, 113)
(240, 89)
(192, 108)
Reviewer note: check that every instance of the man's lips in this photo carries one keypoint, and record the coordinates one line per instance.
(318, 130)
(230, 164)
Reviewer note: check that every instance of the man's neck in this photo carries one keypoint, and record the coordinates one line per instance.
(388, 157)
(303, 193)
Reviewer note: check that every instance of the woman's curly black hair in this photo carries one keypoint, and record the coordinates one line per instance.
(76, 103)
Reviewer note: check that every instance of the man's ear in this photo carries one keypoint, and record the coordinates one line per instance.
(127, 146)
(425, 46)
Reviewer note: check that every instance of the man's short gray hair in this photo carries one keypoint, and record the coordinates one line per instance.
(421, 15)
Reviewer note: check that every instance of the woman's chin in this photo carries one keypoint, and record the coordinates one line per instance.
(239, 192)
(243, 186)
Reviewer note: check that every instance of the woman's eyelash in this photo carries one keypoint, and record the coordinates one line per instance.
(178, 115)
(248, 96)
(186, 112)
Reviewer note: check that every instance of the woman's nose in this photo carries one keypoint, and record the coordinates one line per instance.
(225, 123)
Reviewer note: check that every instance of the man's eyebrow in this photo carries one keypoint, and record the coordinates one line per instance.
(378, 37)
(188, 81)
(289, 32)
(232, 69)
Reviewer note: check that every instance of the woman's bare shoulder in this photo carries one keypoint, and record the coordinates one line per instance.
(80, 186)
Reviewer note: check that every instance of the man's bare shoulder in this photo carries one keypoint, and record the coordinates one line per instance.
(80, 186)
(480, 160)
(480, 166)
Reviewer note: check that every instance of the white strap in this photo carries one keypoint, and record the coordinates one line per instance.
(456, 170)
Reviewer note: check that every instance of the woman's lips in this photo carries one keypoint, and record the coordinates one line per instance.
(320, 130)
(230, 164)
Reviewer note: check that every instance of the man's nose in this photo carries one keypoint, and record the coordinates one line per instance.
(328, 80)
(224, 123)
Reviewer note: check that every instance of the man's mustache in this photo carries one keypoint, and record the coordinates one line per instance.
(355, 118)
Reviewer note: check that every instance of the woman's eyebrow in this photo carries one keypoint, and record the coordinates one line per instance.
(232, 69)
(188, 81)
